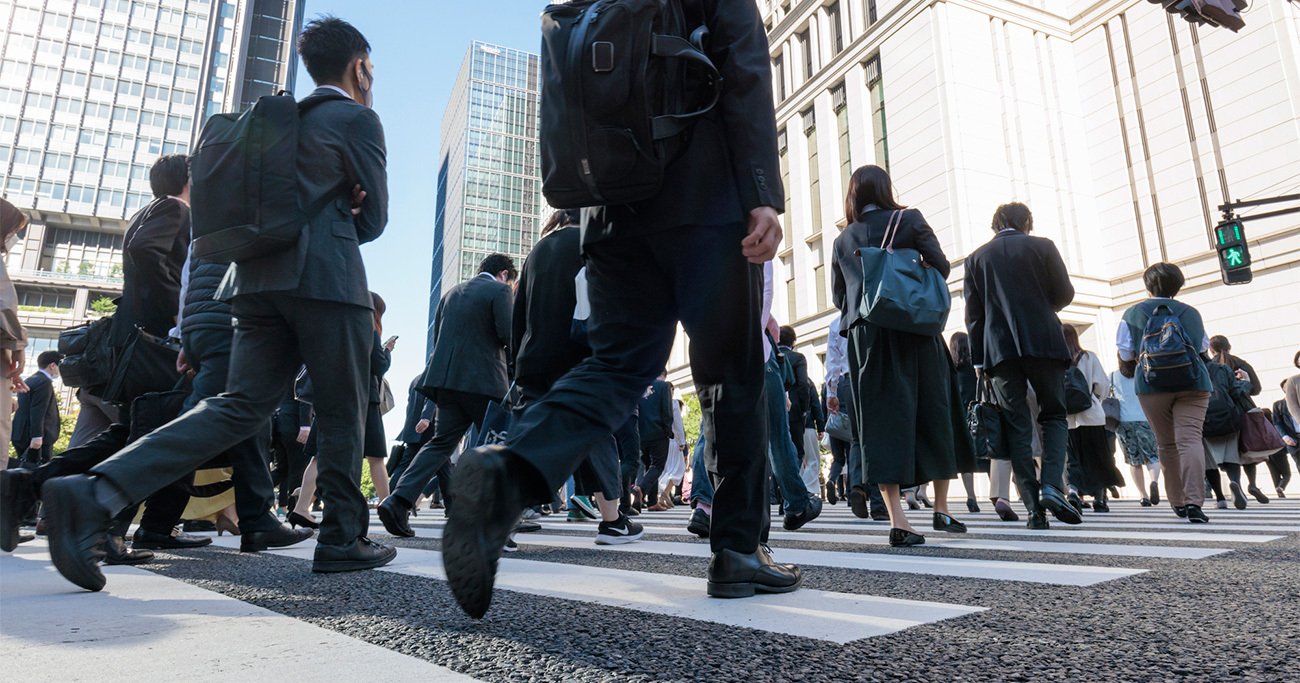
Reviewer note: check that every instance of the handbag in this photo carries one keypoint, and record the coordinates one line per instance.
(1111, 406)
(986, 424)
(87, 354)
(1258, 438)
(146, 364)
(496, 421)
(387, 402)
(899, 292)
(839, 426)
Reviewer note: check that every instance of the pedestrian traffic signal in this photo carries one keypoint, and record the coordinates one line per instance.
(1225, 13)
(1234, 253)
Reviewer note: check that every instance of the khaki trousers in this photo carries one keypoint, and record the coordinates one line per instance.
(1177, 419)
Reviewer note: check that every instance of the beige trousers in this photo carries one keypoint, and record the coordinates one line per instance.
(1177, 419)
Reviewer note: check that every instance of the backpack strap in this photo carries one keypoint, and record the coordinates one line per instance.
(670, 47)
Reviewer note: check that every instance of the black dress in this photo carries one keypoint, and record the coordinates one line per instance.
(376, 443)
(905, 391)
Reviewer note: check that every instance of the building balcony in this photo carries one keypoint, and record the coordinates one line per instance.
(47, 277)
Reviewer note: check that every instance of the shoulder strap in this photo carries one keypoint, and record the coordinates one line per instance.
(891, 230)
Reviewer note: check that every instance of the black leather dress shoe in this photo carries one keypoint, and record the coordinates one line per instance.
(77, 525)
(699, 524)
(360, 554)
(793, 522)
(946, 522)
(1038, 521)
(16, 499)
(281, 536)
(902, 538)
(176, 540)
(396, 517)
(23, 538)
(488, 496)
(1100, 505)
(858, 503)
(119, 553)
(1050, 497)
(736, 575)
(198, 526)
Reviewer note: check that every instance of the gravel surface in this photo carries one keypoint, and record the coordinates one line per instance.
(1228, 617)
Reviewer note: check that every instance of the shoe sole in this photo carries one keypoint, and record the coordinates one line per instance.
(145, 545)
(589, 513)
(748, 589)
(390, 522)
(602, 539)
(257, 548)
(56, 498)
(468, 558)
(9, 526)
(1063, 513)
(1259, 496)
(335, 567)
(1238, 498)
(129, 563)
(860, 509)
(702, 532)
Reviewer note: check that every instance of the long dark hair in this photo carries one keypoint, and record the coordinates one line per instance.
(959, 347)
(869, 185)
(561, 218)
(1220, 348)
(1071, 339)
(379, 308)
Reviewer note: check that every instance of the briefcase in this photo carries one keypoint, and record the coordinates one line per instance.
(146, 364)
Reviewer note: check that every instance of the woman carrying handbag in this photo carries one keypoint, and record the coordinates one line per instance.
(904, 382)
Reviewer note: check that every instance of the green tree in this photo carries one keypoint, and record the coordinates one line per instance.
(86, 268)
(691, 415)
(103, 306)
(67, 422)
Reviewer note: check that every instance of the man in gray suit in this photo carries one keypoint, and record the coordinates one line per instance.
(466, 372)
(309, 304)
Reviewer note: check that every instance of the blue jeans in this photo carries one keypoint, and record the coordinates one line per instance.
(780, 448)
(701, 482)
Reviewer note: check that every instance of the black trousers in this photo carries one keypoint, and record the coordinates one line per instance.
(641, 286)
(457, 412)
(1011, 382)
(275, 334)
(654, 455)
(628, 440)
(289, 456)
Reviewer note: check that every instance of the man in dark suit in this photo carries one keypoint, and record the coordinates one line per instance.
(36, 424)
(1289, 429)
(466, 372)
(655, 425)
(309, 303)
(1015, 285)
(691, 254)
(798, 394)
(290, 429)
(415, 431)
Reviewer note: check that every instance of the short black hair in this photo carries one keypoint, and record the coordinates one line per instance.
(1013, 215)
(169, 174)
(1163, 279)
(48, 357)
(495, 263)
(788, 337)
(327, 45)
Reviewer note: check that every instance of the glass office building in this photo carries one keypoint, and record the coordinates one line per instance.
(489, 177)
(91, 93)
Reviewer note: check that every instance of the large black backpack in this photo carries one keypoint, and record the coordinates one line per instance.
(1223, 414)
(244, 181)
(615, 97)
(1078, 392)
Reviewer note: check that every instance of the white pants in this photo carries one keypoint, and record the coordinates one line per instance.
(811, 468)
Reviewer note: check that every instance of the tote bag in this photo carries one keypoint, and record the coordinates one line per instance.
(898, 291)
(985, 421)
(1258, 438)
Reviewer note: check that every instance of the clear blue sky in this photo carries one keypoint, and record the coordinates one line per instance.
(417, 47)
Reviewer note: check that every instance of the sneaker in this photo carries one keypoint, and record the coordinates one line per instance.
(584, 505)
(618, 532)
(830, 494)
(699, 524)
(1259, 495)
(1238, 497)
(511, 546)
(531, 514)
(1195, 515)
(1221, 504)
(1146, 502)
(576, 515)
(1181, 511)
(526, 526)
(1155, 493)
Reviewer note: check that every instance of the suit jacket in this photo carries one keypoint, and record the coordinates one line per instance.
(729, 163)
(340, 144)
(1282, 420)
(380, 360)
(655, 412)
(798, 394)
(418, 407)
(471, 333)
(38, 414)
(869, 231)
(1015, 286)
(543, 346)
(153, 254)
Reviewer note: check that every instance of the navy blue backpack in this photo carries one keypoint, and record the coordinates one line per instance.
(1166, 357)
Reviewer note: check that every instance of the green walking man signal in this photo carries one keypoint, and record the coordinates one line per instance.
(1234, 253)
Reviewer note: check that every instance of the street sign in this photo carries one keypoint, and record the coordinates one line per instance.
(1234, 253)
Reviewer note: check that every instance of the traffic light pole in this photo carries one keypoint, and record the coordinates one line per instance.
(1229, 209)
(1230, 240)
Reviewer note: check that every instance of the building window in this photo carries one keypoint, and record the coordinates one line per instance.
(791, 294)
(841, 106)
(783, 148)
(819, 273)
(837, 31)
(83, 252)
(876, 94)
(814, 174)
(871, 12)
(43, 299)
(806, 49)
(778, 75)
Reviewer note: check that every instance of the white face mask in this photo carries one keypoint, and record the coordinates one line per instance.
(9, 243)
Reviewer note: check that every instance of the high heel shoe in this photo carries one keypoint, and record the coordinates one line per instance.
(924, 499)
(224, 524)
(902, 538)
(945, 522)
(910, 497)
(972, 506)
(295, 519)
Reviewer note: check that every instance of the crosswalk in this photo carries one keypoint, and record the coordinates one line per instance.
(559, 563)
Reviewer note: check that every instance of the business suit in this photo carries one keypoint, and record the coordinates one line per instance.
(288, 455)
(466, 372)
(153, 254)
(1015, 285)
(37, 416)
(670, 259)
(800, 406)
(418, 407)
(1286, 427)
(308, 304)
(655, 425)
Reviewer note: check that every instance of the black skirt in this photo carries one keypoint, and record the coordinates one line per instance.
(376, 444)
(910, 421)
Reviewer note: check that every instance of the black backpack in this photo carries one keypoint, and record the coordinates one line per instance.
(1223, 415)
(1166, 357)
(1078, 393)
(614, 97)
(244, 181)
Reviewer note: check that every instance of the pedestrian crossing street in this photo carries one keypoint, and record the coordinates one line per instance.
(1088, 555)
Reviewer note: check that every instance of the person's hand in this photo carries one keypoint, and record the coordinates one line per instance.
(1241, 374)
(821, 436)
(1288, 441)
(390, 344)
(303, 434)
(358, 196)
(16, 362)
(763, 236)
(182, 363)
(37, 443)
(422, 426)
(833, 404)
(19, 387)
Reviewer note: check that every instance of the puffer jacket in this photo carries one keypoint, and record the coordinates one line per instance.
(202, 310)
